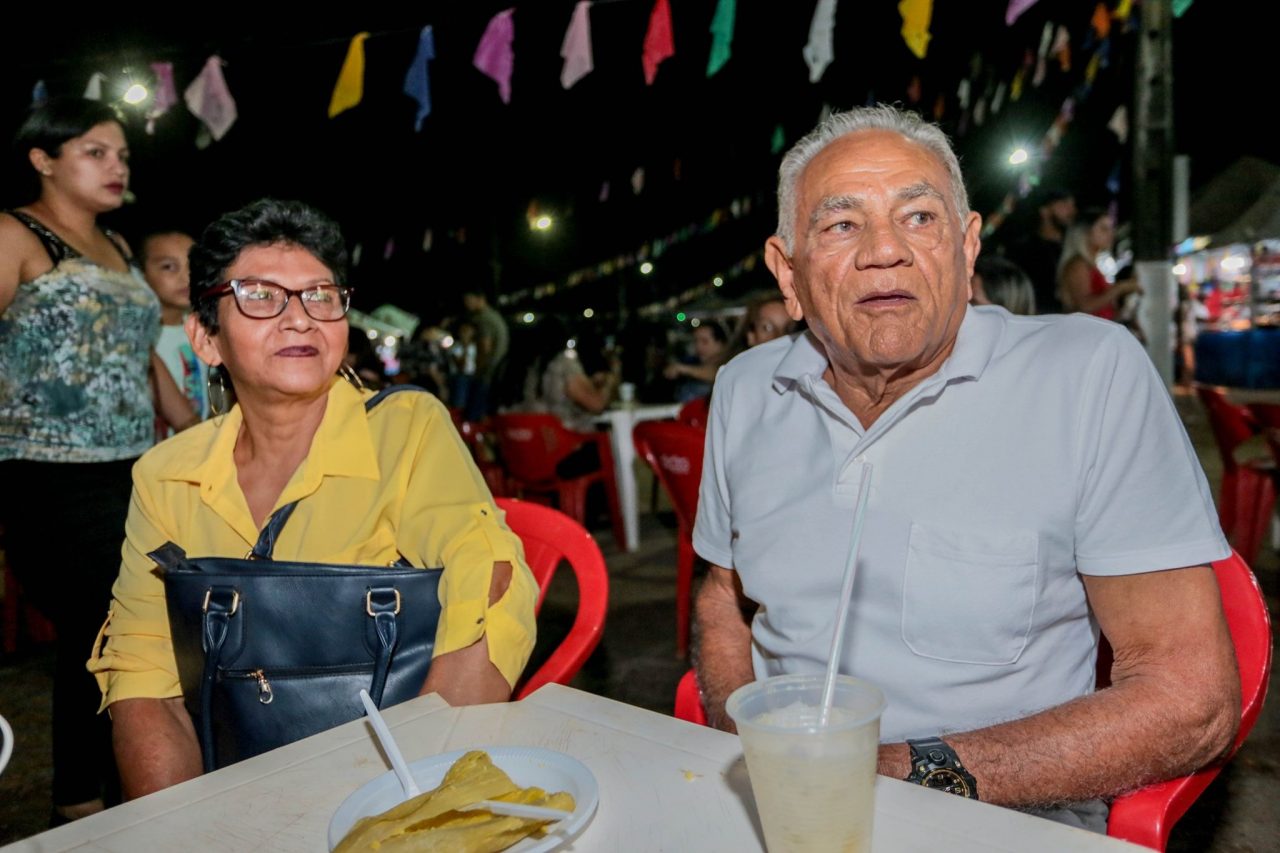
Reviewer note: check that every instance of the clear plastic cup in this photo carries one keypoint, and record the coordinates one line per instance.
(814, 786)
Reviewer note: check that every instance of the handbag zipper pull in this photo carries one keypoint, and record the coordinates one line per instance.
(264, 687)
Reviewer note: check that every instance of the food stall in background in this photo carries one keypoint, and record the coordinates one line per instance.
(1230, 312)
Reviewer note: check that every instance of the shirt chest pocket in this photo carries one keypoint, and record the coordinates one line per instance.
(969, 597)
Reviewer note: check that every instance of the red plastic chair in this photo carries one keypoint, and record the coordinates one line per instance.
(532, 445)
(695, 412)
(689, 700)
(550, 536)
(674, 452)
(1248, 491)
(1147, 815)
(13, 611)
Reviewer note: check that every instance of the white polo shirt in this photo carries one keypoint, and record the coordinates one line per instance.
(1043, 449)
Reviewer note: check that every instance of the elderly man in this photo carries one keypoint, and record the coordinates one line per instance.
(1031, 485)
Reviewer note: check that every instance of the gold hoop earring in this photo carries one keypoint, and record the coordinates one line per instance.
(348, 373)
(220, 396)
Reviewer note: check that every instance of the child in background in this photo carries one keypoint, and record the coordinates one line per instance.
(164, 263)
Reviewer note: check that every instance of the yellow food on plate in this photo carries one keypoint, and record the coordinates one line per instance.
(433, 821)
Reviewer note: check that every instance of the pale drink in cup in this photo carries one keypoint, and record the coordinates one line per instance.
(814, 785)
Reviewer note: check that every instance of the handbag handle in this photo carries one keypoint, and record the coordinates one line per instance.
(220, 604)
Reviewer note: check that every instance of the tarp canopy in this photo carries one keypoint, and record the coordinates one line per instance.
(1240, 205)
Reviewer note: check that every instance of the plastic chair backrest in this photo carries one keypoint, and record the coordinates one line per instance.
(1231, 424)
(1147, 815)
(695, 412)
(532, 444)
(674, 452)
(689, 700)
(550, 536)
(1267, 416)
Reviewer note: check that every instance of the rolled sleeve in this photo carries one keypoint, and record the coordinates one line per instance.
(133, 655)
(450, 519)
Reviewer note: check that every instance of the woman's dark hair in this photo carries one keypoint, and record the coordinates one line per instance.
(47, 127)
(717, 330)
(265, 222)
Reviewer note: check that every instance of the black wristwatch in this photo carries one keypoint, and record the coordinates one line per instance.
(936, 765)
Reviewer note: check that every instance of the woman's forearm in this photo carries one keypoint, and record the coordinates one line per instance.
(155, 745)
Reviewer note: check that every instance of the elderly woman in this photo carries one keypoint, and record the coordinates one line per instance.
(269, 299)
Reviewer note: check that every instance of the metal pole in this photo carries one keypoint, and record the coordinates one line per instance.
(1153, 182)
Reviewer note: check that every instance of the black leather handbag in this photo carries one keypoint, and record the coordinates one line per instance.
(270, 652)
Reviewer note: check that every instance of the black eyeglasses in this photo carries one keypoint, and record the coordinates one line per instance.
(260, 299)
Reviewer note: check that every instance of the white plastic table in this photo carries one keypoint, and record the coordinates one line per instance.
(664, 785)
(622, 419)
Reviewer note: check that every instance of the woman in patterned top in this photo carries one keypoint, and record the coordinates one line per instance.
(77, 329)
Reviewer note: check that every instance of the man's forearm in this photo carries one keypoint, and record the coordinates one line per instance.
(1099, 745)
(722, 650)
(155, 745)
(1173, 706)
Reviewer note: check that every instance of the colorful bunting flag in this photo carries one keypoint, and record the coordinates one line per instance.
(997, 100)
(1046, 39)
(1123, 10)
(1119, 124)
(721, 35)
(349, 89)
(962, 94)
(659, 43)
(820, 50)
(1062, 48)
(1101, 21)
(916, 16)
(576, 48)
(39, 94)
(779, 140)
(913, 90)
(417, 80)
(166, 95)
(210, 100)
(494, 55)
(93, 91)
(1015, 9)
(637, 180)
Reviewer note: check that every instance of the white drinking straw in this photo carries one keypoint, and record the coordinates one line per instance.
(846, 593)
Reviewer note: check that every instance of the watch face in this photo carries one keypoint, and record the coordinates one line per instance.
(950, 781)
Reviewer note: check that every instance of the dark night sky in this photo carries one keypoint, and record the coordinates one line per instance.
(473, 171)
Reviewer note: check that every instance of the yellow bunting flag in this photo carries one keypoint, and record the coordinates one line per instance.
(350, 86)
(916, 15)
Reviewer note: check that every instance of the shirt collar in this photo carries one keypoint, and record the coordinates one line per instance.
(976, 341)
(341, 447)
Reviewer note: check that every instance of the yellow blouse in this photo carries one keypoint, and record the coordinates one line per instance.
(397, 481)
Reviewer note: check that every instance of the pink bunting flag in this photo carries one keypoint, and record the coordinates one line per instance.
(494, 55)
(1015, 9)
(576, 48)
(659, 42)
(210, 100)
(166, 95)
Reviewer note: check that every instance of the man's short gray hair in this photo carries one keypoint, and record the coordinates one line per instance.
(880, 117)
